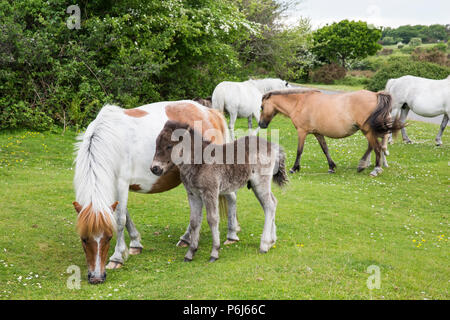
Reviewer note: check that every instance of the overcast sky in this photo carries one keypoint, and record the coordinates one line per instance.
(391, 13)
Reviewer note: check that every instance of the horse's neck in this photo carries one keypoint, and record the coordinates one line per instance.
(286, 104)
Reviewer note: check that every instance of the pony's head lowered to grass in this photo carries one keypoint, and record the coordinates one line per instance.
(96, 230)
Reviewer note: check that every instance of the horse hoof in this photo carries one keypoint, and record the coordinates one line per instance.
(114, 265)
(187, 259)
(212, 259)
(293, 170)
(359, 169)
(331, 171)
(230, 241)
(438, 143)
(386, 152)
(135, 250)
(183, 244)
(408, 141)
(262, 251)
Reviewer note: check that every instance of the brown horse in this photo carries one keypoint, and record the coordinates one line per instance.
(335, 116)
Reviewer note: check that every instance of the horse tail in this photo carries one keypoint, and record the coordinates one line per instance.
(280, 176)
(380, 121)
(223, 207)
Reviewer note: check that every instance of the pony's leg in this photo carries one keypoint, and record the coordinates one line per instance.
(257, 115)
(250, 124)
(373, 141)
(210, 199)
(233, 117)
(384, 144)
(185, 239)
(195, 221)
(120, 252)
(301, 142)
(135, 238)
(365, 160)
(268, 202)
(403, 115)
(441, 130)
(233, 225)
(323, 145)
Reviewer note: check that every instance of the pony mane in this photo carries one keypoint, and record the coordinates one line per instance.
(97, 161)
(287, 91)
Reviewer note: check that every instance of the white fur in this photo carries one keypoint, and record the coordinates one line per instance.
(243, 99)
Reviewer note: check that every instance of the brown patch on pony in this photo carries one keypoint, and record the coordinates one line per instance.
(90, 223)
(135, 187)
(188, 113)
(166, 182)
(136, 113)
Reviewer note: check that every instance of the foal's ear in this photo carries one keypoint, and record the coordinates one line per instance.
(77, 206)
(114, 205)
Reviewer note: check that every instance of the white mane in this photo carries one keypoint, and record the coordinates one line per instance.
(97, 157)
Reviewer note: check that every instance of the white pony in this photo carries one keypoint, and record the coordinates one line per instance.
(426, 97)
(114, 156)
(243, 99)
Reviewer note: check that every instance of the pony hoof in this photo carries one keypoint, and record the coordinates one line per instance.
(331, 171)
(114, 265)
(359, 169)
(386, 152)
(262, 251)
(293, 170)
(135, 250)
(183, 244)
(212, 259)
(438, 143)
(408, 141)
(230, 241)
(187, 259)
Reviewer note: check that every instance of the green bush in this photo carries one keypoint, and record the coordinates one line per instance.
(415, 42)
(402, 66)
(328, 73)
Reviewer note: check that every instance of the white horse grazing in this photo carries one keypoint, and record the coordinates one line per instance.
(426, 97)
(243, 99)
(114, 156)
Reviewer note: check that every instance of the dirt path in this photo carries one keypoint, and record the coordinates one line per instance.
(411, 115)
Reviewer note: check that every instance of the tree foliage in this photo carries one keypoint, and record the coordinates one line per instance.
(345, 41)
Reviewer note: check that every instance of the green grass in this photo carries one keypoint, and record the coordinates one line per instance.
(331, 228)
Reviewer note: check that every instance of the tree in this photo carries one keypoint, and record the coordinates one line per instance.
(345, 41)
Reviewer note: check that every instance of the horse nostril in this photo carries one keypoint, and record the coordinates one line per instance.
(262, 125)
(156, 170)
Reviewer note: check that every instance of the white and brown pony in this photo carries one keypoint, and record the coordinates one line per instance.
(114, 156)
(335, 116)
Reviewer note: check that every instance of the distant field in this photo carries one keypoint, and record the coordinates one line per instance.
(331, 228)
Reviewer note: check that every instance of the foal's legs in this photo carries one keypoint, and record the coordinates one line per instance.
(301, 142)
(135, 237)
(269, 204)
(233, 225)
(210, 199)
(441, 130)
(384, 144)
(323, 144)
(195, 223)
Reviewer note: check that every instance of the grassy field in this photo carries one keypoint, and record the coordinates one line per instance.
(331, 228)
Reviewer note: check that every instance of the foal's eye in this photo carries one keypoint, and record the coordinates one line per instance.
(84, 241)
(169, 147)
(262, 107)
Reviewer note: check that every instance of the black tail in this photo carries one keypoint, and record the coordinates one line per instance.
(380, 120)
(280, 177)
